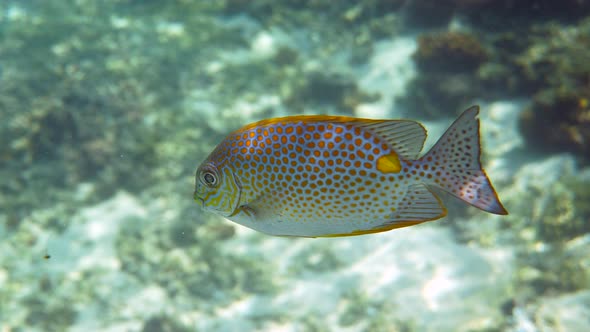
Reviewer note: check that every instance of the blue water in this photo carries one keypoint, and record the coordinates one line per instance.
(107, 109)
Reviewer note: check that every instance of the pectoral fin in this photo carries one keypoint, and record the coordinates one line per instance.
(262, 208)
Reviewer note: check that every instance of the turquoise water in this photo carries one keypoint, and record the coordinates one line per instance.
(107, 108)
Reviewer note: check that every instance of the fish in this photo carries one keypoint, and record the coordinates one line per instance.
(331, 176)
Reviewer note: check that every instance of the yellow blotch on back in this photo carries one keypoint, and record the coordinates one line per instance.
(389, 163)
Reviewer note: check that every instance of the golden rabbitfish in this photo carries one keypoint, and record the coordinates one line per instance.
(323, 176)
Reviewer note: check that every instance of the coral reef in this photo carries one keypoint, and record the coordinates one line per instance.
(80, 102)
(537, 57)
(555, 57)
(447, 79)
(507, 14)
(558, 121)
(559, 117)
(107, 108)
(428, 13)
(564, 313)
(547, 225)
(449, 52)
(318, 88)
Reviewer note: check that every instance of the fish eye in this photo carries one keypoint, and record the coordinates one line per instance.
(209, 178)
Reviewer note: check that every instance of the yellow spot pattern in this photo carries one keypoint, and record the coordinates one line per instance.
(307, 171)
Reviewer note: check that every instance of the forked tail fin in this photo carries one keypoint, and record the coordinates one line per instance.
(456, 157)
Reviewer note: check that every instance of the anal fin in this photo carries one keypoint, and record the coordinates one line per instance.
(418, 205)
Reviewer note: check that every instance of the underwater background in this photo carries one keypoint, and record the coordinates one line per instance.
(107, 108)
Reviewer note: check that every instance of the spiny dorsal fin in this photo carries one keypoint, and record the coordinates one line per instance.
(406, 137)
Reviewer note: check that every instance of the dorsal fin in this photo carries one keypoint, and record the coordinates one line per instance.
(406, 137)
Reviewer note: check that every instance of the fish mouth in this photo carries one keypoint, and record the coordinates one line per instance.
(199, 200)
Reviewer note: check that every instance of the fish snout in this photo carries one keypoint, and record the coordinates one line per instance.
(198, 199)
